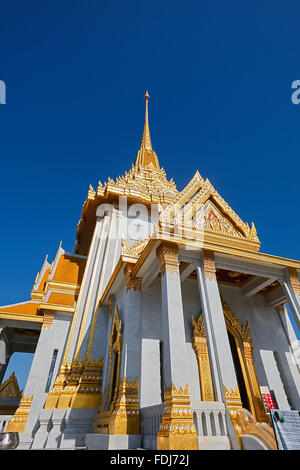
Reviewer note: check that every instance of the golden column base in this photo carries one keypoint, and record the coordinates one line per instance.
(123, 416)
(177, 430)
(19, 420)
(77, 386)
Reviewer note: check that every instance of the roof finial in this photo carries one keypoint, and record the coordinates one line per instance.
(146, 157)
(146, 140)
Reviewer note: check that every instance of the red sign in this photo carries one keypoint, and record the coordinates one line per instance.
(268, 401)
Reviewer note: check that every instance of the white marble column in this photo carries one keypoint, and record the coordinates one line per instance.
(174, 348)
(78, 322)
(177, 429)
(221, 362)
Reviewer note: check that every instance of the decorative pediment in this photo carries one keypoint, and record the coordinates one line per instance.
(200, 206)
(209, 218)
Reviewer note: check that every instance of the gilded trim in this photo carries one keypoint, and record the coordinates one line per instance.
(123, 416)
(21, 317)
(209, 265)
(294, 280)
(200, 347)
(177, 430)
(132, 283)
(167, 255)
(48, 318)
(19, 420)
(78, 386)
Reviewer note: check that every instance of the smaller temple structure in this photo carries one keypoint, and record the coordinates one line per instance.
(10, 396)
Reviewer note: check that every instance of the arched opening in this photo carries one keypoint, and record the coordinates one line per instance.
(239, 372)
(114, 383)
(241, 345)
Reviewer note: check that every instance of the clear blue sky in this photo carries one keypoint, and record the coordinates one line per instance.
(219, 75)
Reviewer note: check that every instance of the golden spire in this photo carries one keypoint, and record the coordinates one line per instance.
(146, 156)
(146, 140)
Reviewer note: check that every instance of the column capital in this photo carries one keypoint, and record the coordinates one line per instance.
(281, 308)
(294, 280)
(48, 317)
(132, 282)
(167, 255)
(209, 267)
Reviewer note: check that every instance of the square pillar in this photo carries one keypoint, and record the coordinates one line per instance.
(224, 379)
(119, 415)
(177, 430)
(125, 416)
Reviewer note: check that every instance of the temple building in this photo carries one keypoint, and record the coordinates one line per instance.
(166, 328)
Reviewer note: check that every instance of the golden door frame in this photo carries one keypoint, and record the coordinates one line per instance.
(244, 345)
(115, 349)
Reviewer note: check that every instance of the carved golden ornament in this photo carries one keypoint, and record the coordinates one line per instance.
(233, 398)
(196, 206)
(281, 308)
(244, 423)
(110, 303)
(38, 296)
(78, 385)
(243, 330)
(294, 280)
(115, 340)
(209, 265)
(134, 250)
(260, 411)
(200, 347)
(208, 218)
(168, 258)
(144, 182)
(19, 420)
(198, 326)
(123, 416)
(134, 283)
(48, 317)
(177, 430)
(170, 211)
(115, 349)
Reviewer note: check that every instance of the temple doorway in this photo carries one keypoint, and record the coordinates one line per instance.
(239, 372)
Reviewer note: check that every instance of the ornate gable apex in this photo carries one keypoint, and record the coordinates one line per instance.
(199, 205)
(186, 195)
(183, 197)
